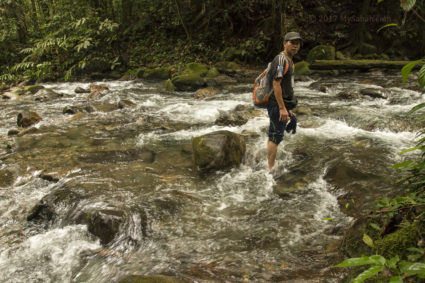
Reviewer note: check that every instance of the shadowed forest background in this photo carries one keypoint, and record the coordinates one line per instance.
(54, 39)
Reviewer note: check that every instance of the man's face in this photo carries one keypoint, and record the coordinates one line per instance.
(292, 46)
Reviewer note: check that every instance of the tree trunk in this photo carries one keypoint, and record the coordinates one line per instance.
(189, 39)
(34, 14)
(126, 15)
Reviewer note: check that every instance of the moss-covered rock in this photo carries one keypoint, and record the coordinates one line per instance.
(398, 242)
(188, 82)
(157, 74)
(212, 73)
(197, 68)
(227, 67)
(321, 52)
(302, 68)
(192, 78)
(340, 56)
(218, 150)
(169, 86)
(149, 279)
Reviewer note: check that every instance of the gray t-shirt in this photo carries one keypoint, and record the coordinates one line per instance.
(287, 83)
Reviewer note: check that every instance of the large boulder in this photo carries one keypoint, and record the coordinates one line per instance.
(321, 52)
(27, 118)
(218, 150)
(192, 78)
(228, 67)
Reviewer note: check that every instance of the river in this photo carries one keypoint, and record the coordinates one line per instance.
(245, 224)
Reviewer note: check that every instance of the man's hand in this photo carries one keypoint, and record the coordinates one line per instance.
(283, 115)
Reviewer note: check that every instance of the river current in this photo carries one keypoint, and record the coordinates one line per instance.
(241, 225)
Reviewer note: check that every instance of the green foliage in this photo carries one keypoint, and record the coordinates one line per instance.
(394, 269)
(421, 77)
(407, 5)
(406, 70)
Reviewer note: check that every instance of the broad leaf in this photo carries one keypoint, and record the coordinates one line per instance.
(407, 69)
(421, 76)
(402, 164)
(368, 240)
(409, 150)
(357, 261)
(396, 279)
(407, 5)
(368, 274)
(416, 108)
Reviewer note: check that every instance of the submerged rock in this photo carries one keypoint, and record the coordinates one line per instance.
(81, 90)
(157, 74)
(348, 95)
(374, 93)
(124, 103)
(104, 224)
(28, 118)
(205, 93)
(46, 94)
(52, 205)
(97, 91)
(6, 178)
(218, 150)
(238, 116)
(150, 279)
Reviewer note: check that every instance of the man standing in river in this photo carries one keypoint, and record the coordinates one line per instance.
(283, 81)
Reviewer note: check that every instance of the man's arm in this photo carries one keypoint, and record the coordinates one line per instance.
(283, 113)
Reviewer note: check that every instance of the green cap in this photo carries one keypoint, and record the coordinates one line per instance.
(292, 36)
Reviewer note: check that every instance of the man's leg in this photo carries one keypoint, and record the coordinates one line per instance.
(271, 153)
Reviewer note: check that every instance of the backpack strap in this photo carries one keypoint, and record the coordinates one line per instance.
(284, 60)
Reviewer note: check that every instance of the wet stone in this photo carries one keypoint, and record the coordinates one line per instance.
(144, 155)
(52, 205)
(6, 178)
(374, 93)
(27, 118)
